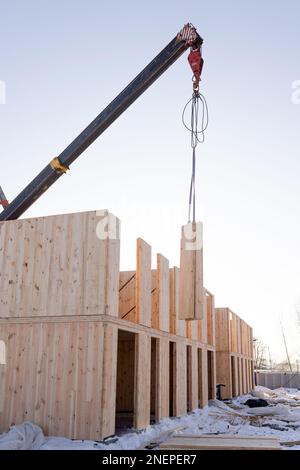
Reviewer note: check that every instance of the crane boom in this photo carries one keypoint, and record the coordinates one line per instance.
(186, 38)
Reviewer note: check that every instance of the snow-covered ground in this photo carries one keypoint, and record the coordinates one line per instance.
(280, 419)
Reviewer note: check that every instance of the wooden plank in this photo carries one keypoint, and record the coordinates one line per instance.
(177, 326)
(142, 381)
(143, 283)
(191, 272)
(235, 382)
(204, 380)
(240, 374)
(160, 318)
(173, 302)
(108, 401)
(163, 379)
(216, 443)
(162, 285)
(194, 378)
(202, 324)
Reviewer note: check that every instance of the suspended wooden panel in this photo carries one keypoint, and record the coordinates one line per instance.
(191, 272)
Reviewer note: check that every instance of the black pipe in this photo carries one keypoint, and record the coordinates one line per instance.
(49, 175)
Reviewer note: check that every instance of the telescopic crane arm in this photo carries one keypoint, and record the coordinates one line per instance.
(187, 37)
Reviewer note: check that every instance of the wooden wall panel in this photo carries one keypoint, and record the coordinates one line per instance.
(191, 273)
(44, 260)
(54, 377)
(210, 315)
(177, 326)
(194, 377)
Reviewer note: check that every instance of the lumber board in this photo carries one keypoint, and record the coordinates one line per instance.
(162, 286)
(109, 367)
(142, 381)
(204, 381)
(194, 378)
(162, 392)
(177, 326)
(191, 272)
(143, 283)
(210, 312)
(231, 442)
(160, 319)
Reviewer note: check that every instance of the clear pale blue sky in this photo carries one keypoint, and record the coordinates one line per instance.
(63, 61)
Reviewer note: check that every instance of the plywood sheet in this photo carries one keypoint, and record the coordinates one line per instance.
(228, 442)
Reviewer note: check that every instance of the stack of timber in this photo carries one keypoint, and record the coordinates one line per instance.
(221, 442)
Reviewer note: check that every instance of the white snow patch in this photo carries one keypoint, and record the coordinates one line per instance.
(280, 419)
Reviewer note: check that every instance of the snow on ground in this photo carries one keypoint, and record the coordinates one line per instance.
(281, 419)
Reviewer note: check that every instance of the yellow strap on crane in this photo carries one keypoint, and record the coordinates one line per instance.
(58, 166)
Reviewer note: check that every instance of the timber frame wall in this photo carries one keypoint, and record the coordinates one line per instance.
(85, 347)
(234, 353)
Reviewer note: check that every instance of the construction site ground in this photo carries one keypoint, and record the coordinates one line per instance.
(281, 420)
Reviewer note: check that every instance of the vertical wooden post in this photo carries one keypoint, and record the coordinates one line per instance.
(142, 381)
(160, 305)
(194, 381)
(235, 390)
(162, 392)
(177, 326)
(240, 375)
(143, 283)
(181, 380)
(109, 379)
(204, 378)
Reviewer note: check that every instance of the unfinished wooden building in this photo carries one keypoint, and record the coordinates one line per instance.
(234, 353)
(87, 349)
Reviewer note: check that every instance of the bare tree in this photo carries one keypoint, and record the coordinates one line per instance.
(260, 349)
(286, 348)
